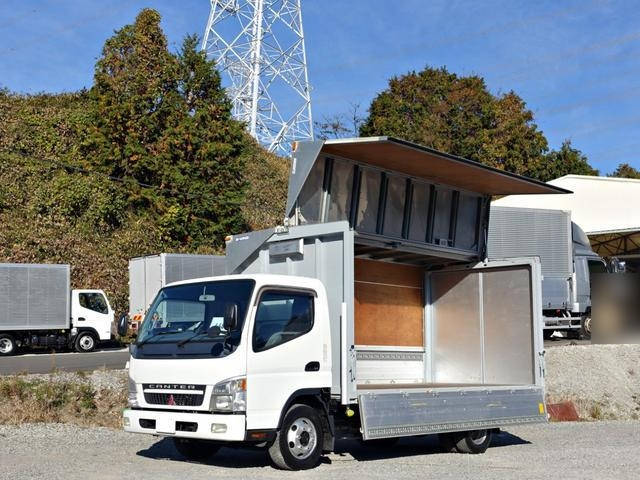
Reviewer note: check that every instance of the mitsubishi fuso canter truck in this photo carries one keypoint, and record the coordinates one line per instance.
(370, 314)
(38, 308)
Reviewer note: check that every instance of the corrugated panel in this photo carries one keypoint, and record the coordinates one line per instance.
(186, 267)
(153, 280)
(137, 297)
(34, 296)
(527, 232)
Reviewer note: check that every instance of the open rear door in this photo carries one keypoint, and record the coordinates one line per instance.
(485, 323)
(484, 365)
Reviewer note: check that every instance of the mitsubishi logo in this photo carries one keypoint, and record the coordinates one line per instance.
(171, 401)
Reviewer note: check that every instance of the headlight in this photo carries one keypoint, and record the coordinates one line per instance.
(133, 394)
(230, 396)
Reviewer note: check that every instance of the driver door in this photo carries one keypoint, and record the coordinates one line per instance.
(284, 353)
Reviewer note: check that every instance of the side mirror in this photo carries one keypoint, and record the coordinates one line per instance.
(123, 325)
(230, 317)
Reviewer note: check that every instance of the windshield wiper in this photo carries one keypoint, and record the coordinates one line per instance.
(166, 332)
(188, 339)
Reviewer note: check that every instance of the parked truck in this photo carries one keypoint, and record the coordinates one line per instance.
(371, 314)
(148, 274)
(565, 255)
(39, 309)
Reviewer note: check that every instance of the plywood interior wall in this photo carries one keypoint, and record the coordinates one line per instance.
(388, 304)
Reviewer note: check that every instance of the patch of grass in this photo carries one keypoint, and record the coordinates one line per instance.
(63, 401)
(595, 412)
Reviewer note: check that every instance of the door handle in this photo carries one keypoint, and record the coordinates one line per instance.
(312, 367)
(81, 319)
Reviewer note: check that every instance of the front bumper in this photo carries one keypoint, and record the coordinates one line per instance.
(186, 425)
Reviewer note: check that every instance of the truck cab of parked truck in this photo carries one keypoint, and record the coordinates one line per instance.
(39, 309)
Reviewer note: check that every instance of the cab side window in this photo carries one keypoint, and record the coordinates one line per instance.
(281, 317)
(93, 301)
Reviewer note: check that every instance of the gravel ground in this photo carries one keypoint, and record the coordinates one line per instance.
(600, 451)
(602, 380)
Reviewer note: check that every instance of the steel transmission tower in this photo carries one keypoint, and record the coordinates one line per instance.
(258, 46)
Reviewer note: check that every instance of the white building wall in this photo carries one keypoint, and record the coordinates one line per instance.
(598, 204)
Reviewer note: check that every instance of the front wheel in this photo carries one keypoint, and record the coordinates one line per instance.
(475, 441)
(7, 345)
(197, 450)
(298, 444)
(85, 342)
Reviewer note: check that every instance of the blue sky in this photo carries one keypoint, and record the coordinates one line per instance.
(575, 63)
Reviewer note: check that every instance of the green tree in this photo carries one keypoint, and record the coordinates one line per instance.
(567, 160)
(624, 170)
(163, 119)
(458, 115)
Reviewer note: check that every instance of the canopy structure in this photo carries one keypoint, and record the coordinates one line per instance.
(397, 193)
(605, 208)
(421, 162)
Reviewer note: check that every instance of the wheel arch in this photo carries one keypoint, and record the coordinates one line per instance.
(317, 398)
(91, 330)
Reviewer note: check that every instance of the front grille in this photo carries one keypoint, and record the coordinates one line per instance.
(177, 399)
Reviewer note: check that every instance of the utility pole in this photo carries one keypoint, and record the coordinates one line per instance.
(258, 46)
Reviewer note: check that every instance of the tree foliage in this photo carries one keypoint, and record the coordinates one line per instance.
(567, 160)
(624, 170)
(73, 166)
(163, 119)
(458, 115)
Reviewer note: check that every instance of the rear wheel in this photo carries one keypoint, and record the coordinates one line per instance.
(85, 342)
(197, 450)
(585, 327)
(298, 443)
(475, 441)
(7, 345)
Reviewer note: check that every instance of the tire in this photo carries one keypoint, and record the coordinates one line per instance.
(298, 443)
(85, 342)
(196, 450)
(585, 327)
(546, 334)
(7, 345)
(475, 441)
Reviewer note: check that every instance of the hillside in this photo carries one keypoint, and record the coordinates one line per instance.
(56, 208)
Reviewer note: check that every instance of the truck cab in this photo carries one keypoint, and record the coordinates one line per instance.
(92, 319)
(263, 341)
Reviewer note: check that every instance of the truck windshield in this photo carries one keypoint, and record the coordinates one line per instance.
(177, 323)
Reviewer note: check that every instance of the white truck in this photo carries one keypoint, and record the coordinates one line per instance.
(39, 309)
(371, 314)
(566, 258)
(148, 274)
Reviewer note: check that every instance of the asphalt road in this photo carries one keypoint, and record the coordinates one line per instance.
(600, 450)
(71, 361)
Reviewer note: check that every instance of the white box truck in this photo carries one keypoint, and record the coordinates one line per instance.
(39, 309)
(148, 274)
(372, 315)
(565, 255)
